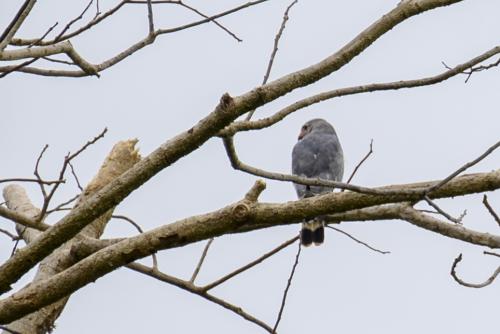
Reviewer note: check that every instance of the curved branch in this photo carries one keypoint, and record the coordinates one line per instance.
(471, 285)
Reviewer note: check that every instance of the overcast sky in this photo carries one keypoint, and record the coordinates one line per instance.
(419, 134)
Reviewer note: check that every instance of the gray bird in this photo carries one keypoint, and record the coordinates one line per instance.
(317, 154)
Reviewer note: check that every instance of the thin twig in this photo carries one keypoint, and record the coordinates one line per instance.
(358, 241)
(463, 168)
(37, 173)
(59, 61)
(67, 160)
(471, 285)
(188, 286)
(250, 265)
(491, 253)
(288, 285)
(444, 213)
(213, 20)
(76, 177)
(151, 25)
(43, 36)
(202, 259)
(18, 67)
(60, 207)
(360, 163)
(490, 209)
(19, 179)
(475, 69)
(97, 10)
(274, 51)
(70, 23)
(138, 227)
(10, 235)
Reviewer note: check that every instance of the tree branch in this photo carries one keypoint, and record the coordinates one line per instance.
(471, 285)
(239, 217)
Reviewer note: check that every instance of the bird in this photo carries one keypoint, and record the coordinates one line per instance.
(317, 154)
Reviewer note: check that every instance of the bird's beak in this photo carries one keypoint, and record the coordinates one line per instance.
(302, 134)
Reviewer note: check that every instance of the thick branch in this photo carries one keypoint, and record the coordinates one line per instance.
(395, 85)
(226, 112)
(16, 23)
(239, 217)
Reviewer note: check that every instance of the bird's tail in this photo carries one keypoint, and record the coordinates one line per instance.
(312, 232)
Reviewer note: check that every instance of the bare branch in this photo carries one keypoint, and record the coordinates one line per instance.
(44, 35)
(60, 207)
(43, 51)
(444, 213)
(275, 50)
(239, 165)
(16, 23)
(360, 163)
(249, 265)
(280, 115)
(288, 285)
(491, 253)
(200, 262)
(358, 241)
(471, 285)
(10, 235)
(474, 69)
(86, 68)
(226, 112)
(67, 161)
(138, 227)
(70, 23)
(188, 286)
(20, 179)
(22, 220)
(37, 173)
(151, 24)
(464, 167)
(75, 176)
(213, 20)
(490, 209)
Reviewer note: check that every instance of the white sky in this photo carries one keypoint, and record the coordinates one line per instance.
(419, 134)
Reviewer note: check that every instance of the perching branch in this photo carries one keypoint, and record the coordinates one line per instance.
(239, 217)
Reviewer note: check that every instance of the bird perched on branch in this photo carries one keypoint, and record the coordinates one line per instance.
(317, 154)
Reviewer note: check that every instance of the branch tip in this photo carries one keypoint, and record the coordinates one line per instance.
(253, 194)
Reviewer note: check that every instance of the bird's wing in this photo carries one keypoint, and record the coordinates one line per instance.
(318, 156)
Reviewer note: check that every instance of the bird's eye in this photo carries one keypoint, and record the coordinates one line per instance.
(304, 127)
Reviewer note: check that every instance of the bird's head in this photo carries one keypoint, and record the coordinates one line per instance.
(316, 125)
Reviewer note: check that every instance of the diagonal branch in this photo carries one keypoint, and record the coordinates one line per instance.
(202, 259)
(249, 265)
(287, 288)
(188, 286)
(358, 241)
(490, 209)
(306, 102)
(275, 50)
(16, 23)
